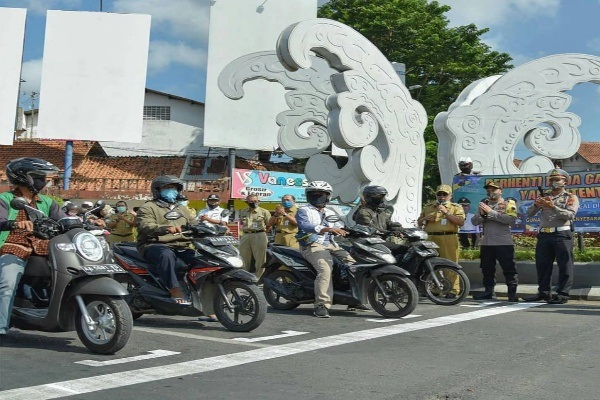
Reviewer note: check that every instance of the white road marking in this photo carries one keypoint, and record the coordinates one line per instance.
(144, 375)
(197, 337)
(261, 339)
(153, 354)
(379, 320)
(479, 305)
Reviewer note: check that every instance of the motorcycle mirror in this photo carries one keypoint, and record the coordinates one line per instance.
(99, 203)
(173, 215)
(333, 218)
(18, 203)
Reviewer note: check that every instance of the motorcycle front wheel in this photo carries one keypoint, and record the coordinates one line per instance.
(398, 299)
(249, 306)
(112, 324)
(275, 300)
(451, 280)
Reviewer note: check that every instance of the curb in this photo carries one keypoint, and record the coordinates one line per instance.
(586, 279)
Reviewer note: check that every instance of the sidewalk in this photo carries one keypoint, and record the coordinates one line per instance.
(586, 279)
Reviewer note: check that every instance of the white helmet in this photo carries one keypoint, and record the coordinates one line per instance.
(319, 186)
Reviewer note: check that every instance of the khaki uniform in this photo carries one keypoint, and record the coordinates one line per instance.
(444, 233)
(285, 232)
(253, 243)
(124, 230)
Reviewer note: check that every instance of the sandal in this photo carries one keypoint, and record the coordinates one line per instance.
(181, 301)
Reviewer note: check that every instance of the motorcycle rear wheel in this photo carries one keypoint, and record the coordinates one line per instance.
(113, 324)
(250, 307)
(276, 301)
(440, 295)
(402, 292)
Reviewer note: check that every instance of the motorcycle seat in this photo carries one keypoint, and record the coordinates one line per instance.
(38, 267)
(290, 251)
(131, 251)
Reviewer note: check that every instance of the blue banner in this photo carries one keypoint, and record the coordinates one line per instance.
(524, 189)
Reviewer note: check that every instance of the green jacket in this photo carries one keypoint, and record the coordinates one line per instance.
(152, 225)
(380, 219)
(44, 204)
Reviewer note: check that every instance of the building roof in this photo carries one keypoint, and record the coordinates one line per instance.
(47, 149)
(590, 151)
(129, 167)
(172, 96)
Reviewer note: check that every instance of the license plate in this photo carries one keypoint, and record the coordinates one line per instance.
(102, 269)
(223, 240)
(375, 240)
(430, 245)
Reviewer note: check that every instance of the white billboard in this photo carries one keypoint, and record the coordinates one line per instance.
(12, 33)
(94, 76)
(238, 28)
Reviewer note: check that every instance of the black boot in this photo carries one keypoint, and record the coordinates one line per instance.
(512, 294)
(488, 294)
(540, 296)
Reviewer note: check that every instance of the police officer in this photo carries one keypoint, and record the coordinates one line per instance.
(284, 221)
(253, 243)
(555, 239)
(496, 216)
(442, 220)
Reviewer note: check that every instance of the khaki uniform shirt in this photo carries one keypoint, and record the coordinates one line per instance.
(254, 220)
(283, 225)
(441, 223)
(567, 205)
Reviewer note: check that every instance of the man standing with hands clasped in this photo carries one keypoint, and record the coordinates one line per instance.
(496, 216)
(284, 221)
(555, 239)
(442, 219)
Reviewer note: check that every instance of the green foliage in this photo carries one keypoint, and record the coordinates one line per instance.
(441, 59)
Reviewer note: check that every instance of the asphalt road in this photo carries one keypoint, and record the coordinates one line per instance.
(494, 350)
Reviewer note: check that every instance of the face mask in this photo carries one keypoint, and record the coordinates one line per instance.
(556, 185)
(318, 201)
(169, 195)
(442, 202)
(39, 183)
(252, 205)
(121, 209)
(494, 196)
(213, 206)
(287, 204)
(184, 203)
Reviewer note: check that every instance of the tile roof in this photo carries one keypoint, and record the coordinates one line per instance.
(590, 151)
(129, 167)
(50, 150)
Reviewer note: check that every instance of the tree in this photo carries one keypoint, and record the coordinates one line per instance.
(442, 60)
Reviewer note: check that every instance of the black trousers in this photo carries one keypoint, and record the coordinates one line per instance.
(554, 246)
(467, 240)
(163, 262)
(505, 255)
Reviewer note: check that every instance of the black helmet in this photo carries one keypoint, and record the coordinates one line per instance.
(30, 172)
(374, 196)
(161, 181)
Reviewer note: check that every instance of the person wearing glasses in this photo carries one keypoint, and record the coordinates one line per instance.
(441, 220)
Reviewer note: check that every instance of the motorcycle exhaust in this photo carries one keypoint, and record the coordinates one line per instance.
(277, 288)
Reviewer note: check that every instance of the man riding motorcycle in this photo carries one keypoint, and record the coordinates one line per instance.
(373, 210)
(17, 243)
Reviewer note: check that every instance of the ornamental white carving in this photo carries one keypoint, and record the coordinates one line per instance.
(492, 115)
(362, 103)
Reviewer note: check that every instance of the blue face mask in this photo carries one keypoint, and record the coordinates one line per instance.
(121, 209)
(287, 204)
(169, 195)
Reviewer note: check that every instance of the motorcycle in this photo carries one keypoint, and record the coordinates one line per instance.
(72, 289)
(289, 279)
(215, 277)
(433, 275)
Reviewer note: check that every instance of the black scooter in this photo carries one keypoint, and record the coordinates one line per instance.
(434, 275)
(215, 277)
(289, 279)
(74, 287)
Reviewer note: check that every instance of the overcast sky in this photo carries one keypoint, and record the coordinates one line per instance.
(526, 29)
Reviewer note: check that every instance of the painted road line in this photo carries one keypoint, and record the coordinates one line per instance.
(379, 320)
(153, 354)
(144, 375)
(261, 339)
(479, 305)
(197, 337)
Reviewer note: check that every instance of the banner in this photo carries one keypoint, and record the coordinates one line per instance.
(524, 189)
(268, 185)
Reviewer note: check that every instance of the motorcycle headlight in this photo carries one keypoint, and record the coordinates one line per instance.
(388, 258)
(88, 246)
(235, 261)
